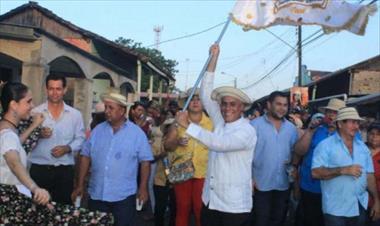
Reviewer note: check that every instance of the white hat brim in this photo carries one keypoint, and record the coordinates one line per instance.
(218, 93)
(114, 97)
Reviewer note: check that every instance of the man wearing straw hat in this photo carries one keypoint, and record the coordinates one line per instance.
(344, 165)
(114, 151)
(227, 193)
(318, 130)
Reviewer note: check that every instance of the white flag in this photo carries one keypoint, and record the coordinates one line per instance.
(332, 15)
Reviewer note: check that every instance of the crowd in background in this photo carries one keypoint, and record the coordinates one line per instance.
(305, 168)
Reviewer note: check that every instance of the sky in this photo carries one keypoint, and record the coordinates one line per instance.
(246, 56)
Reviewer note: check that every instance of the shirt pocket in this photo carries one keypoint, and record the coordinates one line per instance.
(236, 195)
(338, 158)
(66, 135)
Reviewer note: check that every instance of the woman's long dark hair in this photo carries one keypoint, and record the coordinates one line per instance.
(12, 91)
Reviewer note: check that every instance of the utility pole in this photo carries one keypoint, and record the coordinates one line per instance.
(299, 53)
(157, 29)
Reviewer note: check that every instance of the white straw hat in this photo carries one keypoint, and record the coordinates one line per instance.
(348, 113)
(218, 93)
(114, 97)
(334, 105)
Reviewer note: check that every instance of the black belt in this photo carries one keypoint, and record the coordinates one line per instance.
(49, 167)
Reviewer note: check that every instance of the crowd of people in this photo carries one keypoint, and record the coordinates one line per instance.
(209, 165)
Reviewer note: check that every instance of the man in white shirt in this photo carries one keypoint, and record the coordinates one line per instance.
(227, 193)
(62, 136)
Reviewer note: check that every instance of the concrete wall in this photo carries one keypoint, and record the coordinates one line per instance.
(36, 57)
(32, 71)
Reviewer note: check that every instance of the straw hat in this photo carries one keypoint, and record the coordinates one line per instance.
(115, 97)
(334, 105)
(218, 93)
(348, 113)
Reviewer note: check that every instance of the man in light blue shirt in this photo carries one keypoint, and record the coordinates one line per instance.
(275, 139)
(320, 127)
(344, 165)
(114, 151)
(62, 136)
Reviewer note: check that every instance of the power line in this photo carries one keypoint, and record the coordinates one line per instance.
(255, 53)
(280, 39)
(287, 57)
(292, 52)
(190, 35)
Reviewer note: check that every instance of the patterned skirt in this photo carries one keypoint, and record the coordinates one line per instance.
(17, 209)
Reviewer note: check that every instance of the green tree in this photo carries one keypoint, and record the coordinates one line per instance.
(154, 55)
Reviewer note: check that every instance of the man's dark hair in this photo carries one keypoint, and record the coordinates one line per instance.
(137, 104)
(56, 78)
(173, 103)
(374, 125)
(275, 94)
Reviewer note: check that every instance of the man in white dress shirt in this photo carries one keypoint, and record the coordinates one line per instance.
(227, 193)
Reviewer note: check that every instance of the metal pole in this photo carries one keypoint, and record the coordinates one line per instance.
(299, 55)
(138, 91)
(151, 87)
(205, 66)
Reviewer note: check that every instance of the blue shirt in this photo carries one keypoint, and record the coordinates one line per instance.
(272, 153)
(68, 129)
(307, 182)
(340, 195)
(114, 160)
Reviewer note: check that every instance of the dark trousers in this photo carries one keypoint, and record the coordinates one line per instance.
(370, 222)
(164, 199)
(270, 207)
(311, 204)
(124, 211)
(58, 180)
(217, 218)
(331, 220)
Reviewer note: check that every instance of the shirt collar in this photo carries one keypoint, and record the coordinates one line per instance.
(125, 124)
(234, 123)
(339, 138)
(65, 107)
(267, 118)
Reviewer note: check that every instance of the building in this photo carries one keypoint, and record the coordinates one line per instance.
(34, 42)
(358, 84)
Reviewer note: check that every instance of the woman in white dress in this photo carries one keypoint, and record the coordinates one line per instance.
(16, 208)
(16, 101)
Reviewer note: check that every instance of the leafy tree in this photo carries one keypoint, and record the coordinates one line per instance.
(154, 55)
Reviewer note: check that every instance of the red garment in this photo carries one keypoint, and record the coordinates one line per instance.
(188, 196)
(376, 166)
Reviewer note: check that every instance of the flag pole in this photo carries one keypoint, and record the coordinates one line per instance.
(205, 66)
